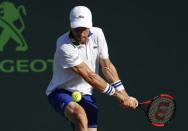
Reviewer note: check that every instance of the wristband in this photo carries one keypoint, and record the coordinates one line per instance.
(118, 85)
(109, 90)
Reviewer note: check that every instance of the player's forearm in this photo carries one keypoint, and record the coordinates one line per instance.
(112, 77)
(99, 83)
(110, 72)
(95, 80)
(91, 77)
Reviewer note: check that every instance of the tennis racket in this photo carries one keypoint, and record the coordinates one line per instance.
(160, 110)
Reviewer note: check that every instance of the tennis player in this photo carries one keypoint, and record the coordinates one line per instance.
(79, 54)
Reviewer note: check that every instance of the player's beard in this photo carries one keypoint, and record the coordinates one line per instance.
(82, 39)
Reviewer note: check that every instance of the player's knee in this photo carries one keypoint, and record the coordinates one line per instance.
(80, 116)
(76, 114)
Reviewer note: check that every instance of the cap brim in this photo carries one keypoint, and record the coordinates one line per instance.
(81, 23)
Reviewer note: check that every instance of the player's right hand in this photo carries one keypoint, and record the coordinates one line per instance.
(125, 100)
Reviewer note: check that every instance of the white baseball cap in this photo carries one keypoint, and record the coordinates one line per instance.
(80, 16)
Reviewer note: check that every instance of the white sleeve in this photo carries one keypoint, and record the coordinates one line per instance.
(69, 56)
(103, 47)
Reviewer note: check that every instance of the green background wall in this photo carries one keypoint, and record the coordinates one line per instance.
(147, 43)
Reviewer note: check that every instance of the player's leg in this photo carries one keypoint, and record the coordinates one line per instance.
(89, 104)
(62, 102)
(76, 114)
(92, 129)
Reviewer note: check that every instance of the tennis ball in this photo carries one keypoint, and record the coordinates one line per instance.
(76, 96)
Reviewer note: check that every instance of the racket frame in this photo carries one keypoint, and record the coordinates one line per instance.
(145, 107)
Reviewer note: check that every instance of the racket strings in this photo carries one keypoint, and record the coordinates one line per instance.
(161, 110)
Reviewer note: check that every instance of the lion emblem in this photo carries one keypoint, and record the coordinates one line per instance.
(9, 14)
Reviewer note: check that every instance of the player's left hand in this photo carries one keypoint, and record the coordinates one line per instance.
(130, 102)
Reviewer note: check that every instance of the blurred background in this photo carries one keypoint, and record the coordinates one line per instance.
(147, 43)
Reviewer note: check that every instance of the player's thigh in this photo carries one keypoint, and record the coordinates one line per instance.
(92, 129)
(75, 113)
